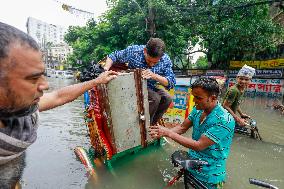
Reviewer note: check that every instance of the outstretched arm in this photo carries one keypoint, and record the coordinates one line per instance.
(227, 105)
(158, 131)
(121, 56)
(238, 119)
(70, 93)
(203, 143)
(243, 115)
(175, 134)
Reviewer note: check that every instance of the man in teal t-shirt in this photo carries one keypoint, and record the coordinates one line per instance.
(213, 129)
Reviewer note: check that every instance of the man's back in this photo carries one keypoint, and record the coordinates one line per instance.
(134, 56)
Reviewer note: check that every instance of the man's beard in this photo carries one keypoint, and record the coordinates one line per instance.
(12, 111)
(8, 113)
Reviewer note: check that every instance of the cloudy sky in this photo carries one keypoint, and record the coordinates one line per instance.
(16, 12)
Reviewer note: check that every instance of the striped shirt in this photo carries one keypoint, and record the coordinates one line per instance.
(219, 127)
(134, 56)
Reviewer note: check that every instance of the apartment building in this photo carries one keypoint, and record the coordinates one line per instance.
(44, 32)
(50, 38)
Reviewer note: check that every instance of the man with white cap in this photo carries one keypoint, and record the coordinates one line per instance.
(235, 94)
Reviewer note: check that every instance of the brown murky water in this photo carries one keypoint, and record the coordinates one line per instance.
(51, 162)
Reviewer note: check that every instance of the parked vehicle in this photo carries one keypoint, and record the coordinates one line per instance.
(68, 74)
(59, 73)
(49, 72)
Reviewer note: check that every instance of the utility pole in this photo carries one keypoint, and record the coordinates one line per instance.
(150, 20)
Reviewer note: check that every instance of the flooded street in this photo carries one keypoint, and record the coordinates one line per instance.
(51, 161)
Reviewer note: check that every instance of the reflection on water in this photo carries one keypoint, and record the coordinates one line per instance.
(51, 162)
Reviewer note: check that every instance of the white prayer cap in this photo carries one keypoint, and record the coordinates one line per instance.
(246, 71)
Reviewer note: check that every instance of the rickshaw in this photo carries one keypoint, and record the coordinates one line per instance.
(118, 127)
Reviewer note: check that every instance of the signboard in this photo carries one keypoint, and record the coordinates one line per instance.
(277, 63)
(239, 64)
(269, 73)
(272, 88)
(267, 64)
(215, 72)
(263, 73)
(196, 72)
(181, 106)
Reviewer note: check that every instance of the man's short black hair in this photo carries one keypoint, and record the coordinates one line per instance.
(10, 35)
(155, 47)
(208, 84)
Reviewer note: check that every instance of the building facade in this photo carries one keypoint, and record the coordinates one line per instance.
(43, 32)
(55, 56)
(50, 38)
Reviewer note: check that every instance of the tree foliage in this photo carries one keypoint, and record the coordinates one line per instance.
(233, 29)
(225, 29)
(201, 63)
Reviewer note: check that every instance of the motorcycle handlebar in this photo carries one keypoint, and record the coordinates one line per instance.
(261, 183)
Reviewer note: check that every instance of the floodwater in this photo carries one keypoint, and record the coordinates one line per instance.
(51, 162)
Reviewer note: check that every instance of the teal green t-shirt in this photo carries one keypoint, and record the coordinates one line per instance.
(219, 127)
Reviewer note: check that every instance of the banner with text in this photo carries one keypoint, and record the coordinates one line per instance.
(181, 106)
(267, 73)
(272, 88)
(265, 64)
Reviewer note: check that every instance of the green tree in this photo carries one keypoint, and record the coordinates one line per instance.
(225, 29)
(201, 63)
(232, 29)
(127, 23)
